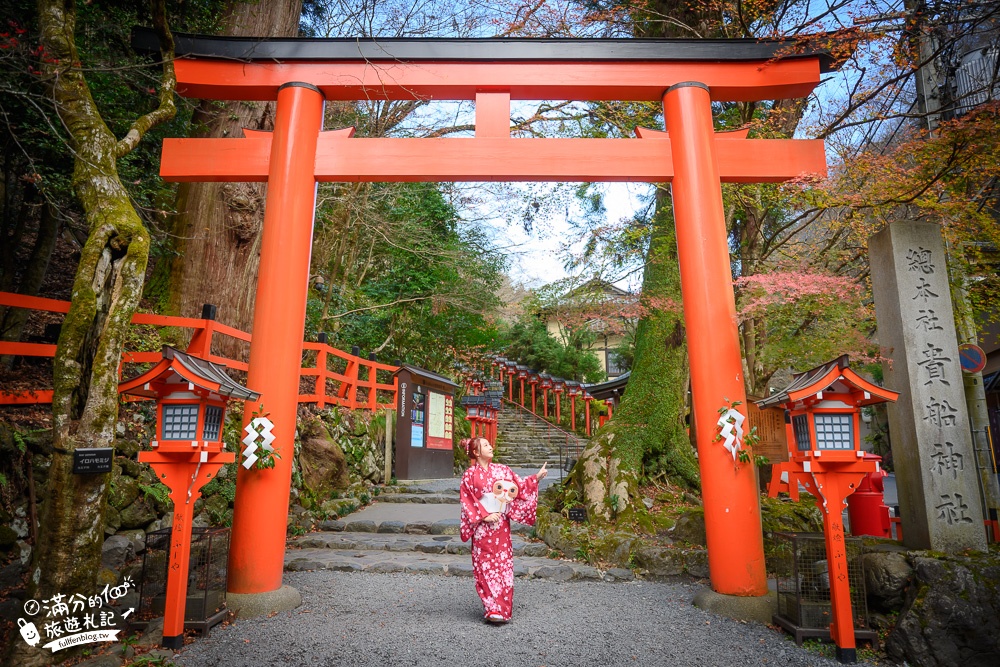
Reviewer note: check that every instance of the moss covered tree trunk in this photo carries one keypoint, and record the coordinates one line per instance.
(217, 226)
(106, 291)
(649, 426)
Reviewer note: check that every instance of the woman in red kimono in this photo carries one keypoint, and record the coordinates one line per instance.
(491, 496)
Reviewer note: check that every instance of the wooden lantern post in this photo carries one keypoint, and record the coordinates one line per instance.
(191, 396)
(825, 457)
(546, 382)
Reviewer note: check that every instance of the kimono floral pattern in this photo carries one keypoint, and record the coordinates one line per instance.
(492, 552)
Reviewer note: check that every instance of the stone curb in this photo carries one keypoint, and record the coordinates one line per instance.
(421, 498)
(442, 527)
(453, 565)
(402, 542)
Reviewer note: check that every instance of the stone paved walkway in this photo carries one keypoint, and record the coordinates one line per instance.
(414, 528)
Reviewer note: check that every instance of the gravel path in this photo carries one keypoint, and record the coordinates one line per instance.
(361, 619)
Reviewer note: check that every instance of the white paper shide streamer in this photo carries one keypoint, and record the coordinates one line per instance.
(731, 422)
(258, 428)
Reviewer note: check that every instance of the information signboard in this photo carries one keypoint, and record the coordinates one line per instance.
(92, 460)
(771, 430)
(418, 414)
(424, 424)
(439, 421)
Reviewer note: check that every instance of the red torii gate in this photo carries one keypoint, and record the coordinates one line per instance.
(685, 75)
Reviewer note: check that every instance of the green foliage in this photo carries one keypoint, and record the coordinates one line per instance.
(232, 429)
(128, 641)
(402, 276)
(615, 504)
(147, 660)
(651, 431)
(266, 459)
(804, 319)
(530, 343)
(224, 487)
(33, 142)
(157, 492)
(14, 461)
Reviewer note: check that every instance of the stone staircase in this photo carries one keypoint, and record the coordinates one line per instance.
(414, 528)
(526, 440)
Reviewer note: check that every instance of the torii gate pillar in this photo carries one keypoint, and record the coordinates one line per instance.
(732, 505)
(260, 513)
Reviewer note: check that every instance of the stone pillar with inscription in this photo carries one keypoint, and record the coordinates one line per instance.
(931, 445)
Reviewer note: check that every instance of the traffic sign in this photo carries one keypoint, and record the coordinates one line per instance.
(972, 357)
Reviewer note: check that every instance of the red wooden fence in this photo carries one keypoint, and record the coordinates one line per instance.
(357, 387)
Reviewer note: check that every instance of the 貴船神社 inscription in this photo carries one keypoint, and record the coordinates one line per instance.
(931, 446)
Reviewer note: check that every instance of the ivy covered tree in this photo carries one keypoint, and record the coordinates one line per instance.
(93, 128)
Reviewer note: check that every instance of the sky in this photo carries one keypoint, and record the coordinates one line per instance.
(536, 258)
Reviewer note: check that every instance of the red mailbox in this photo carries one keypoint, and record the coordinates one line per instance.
(825, 457)
(866, 508)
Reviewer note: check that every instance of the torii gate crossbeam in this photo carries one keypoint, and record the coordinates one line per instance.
(685, 75)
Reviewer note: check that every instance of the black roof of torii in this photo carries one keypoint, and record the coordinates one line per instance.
(438, 49)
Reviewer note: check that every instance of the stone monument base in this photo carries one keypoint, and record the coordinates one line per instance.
(759, 609)
(250, 605)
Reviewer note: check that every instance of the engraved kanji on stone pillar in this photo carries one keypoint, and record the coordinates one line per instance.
(929, 426)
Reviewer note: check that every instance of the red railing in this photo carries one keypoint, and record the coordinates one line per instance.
(350, 390)
(328, 387)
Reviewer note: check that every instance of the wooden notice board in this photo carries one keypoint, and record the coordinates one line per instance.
(424, 424)
(771, 430)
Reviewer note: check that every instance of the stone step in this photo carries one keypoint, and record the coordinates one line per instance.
(403, 542)
(421, 498)
(528, 441)
(348, 547)
(453, 565)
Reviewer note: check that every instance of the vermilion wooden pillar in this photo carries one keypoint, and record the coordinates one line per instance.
(260, 515)
(729, 490)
